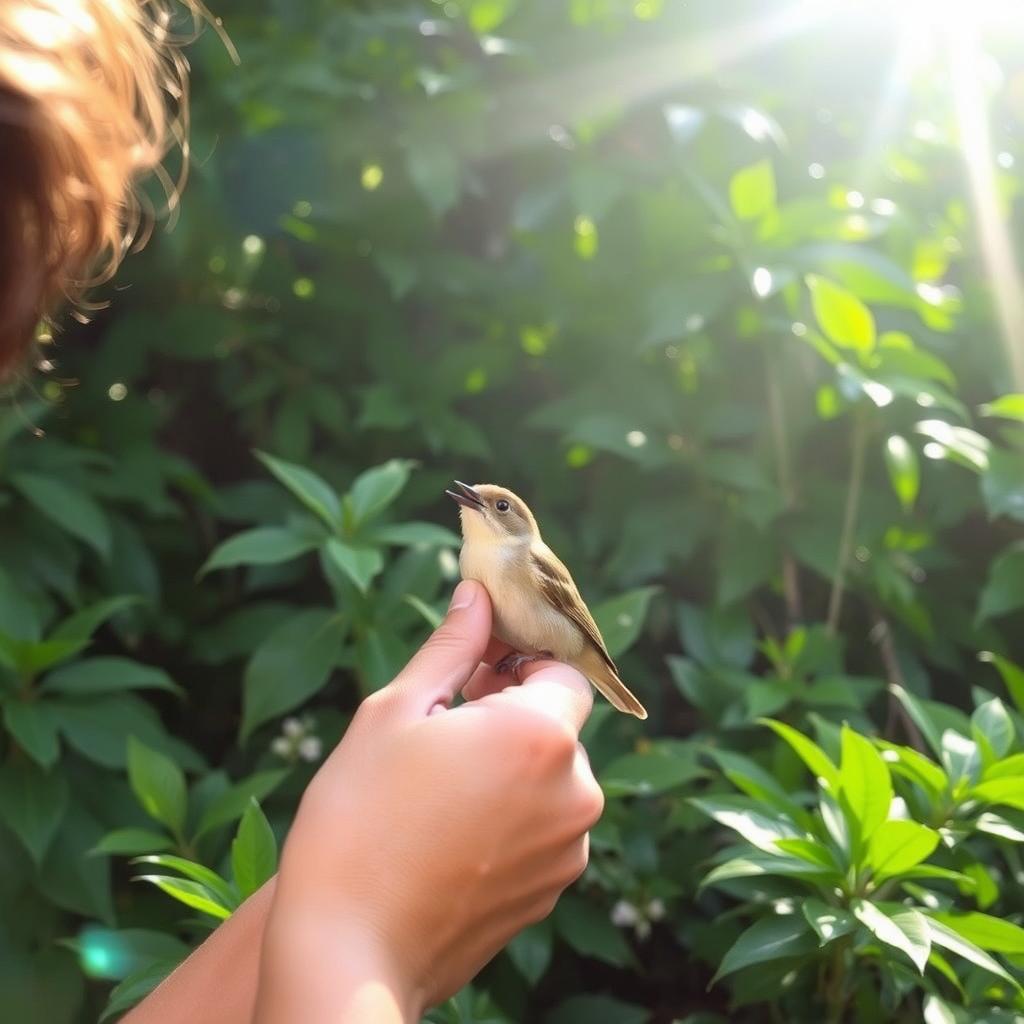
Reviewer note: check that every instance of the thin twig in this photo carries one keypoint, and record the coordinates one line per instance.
(835, 601)
(881, 634)
(780, 442)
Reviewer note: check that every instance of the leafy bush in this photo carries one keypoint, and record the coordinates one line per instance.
(731, 336)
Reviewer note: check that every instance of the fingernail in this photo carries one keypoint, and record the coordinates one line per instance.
(464, 595)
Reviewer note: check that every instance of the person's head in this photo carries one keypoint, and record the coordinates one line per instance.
(92, 94)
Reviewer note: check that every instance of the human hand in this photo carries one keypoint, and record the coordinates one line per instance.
(431, 835)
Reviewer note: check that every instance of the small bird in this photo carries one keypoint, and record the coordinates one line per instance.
(538, 610)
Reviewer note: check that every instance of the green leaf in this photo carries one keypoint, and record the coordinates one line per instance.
(34, 728)
(771, 938)
(214, 884)
(1002, 484)
(991, 933)
(159, 785)
(904, 472)
(755, 864)
(996, 825)
(589, 931)
(292, 664)
(131, 841)
(1004, 590)
(828, 922)
(266, 545)
(920, 717)
(486, 15)
(906, 930)
(192, 894)
(586, 1009)
(962, 445)
(621, 619)
(755, 826)
(432, 616)
(77, 629)
(253, 851)
(844, 319)
(1013, 676)
(865, 783)
(32, 804)
(1009, 792)
(137, 986)
(1007, 767)
(413, 535)
(808, 751)
(309, 488)
(960, 757)
(361, 565)
(898, 846)
(992, 726)
(753, 780)
(662, 768)
(811, 851)
(946, 937)
(232, 804)
(531, 951)
(1009, 407)
(374, 490)
(752, 191)
(107, 675)
(72, 510)
(909, 764)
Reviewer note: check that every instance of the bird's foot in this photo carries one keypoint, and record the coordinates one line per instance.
(513, 662)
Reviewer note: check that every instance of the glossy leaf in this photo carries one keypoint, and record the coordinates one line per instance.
(771, 938)
(905, 930)
(898, 846)
(843, 318)
(309, 488)
(158, 783)
(253, 851)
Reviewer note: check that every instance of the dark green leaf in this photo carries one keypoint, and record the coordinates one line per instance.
(107, 675)
(32, 804)
(266, 545)
(232, 804)
(131, 841)
(772, 938)
(374, 490)
(34, 728)
(309, 488)
(361, 565)
(253, 851)
(72, 510)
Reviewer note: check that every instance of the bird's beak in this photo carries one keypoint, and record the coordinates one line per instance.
(466, 496)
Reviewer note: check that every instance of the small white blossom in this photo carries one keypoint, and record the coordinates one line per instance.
(293, 728)
(310, 748)
(281, 747)
(624, 914)
(655, 910)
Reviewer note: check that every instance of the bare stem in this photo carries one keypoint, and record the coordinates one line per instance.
(882, 635)
(780, 442)
(859, 444)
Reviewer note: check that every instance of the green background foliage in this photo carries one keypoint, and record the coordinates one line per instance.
(703, 283)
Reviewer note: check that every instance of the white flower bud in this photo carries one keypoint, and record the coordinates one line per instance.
(281, 746)
(293, 728)
(655, 910)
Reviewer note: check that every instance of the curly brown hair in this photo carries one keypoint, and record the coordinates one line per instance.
(93, 94)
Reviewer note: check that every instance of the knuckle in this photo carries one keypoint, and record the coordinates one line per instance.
(591, 800)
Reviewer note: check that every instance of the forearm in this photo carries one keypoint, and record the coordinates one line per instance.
(320, 968)
(217, 984)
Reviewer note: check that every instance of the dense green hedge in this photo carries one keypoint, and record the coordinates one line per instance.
(700, 281)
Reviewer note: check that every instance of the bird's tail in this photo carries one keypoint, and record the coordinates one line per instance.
(597, 670)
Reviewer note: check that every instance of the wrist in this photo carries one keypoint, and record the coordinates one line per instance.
(329, 965)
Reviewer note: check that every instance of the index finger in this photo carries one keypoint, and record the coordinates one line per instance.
(556, 689)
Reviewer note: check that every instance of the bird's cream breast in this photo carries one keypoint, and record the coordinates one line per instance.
(523, 618)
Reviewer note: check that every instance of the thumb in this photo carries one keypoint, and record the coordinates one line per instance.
(444, 664)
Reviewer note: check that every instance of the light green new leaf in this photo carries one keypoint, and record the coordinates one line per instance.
(253, 850)
(865, 783)
(828, 922)
(1006, 791)
(314, 492)
(960, 757)
(374, 490)
(920, 716)
(948, 938)
(898, 846)
(772, 938)
(107, 675)
(912, 765)
(991, 933)
(360, 565)
(266, 545)
(159, 785)
(192, 894)
(844, 319)
(755, 864)
(1009, 407)
(71, 509)
(904, 471)
(811, 851)
(1005, 769)
(906, 930)
(752, 191)
(214, 884)
(808, 751)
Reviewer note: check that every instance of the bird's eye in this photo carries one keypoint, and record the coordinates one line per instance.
(502, 505)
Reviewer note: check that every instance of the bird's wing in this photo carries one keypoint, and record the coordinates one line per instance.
(560, 590)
